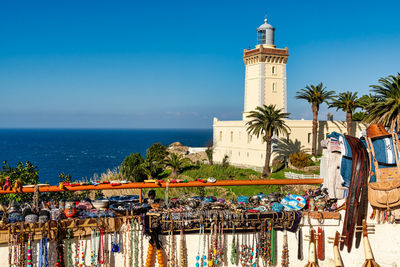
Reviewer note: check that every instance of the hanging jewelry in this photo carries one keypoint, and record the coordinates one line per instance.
(150, 251)
(204, 251)
(126, 229)
(285, 251)
(77, 251)
(198, 249)
(233, 247)
(136, 244)
(29, 251)
(69, 249)
(101, 246)
(182, 250)
(114, 243)
(82, 253)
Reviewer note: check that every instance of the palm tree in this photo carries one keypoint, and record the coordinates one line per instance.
(267, 121)
(387, 109)
(176, 162)
(315, 95)
(347, 102)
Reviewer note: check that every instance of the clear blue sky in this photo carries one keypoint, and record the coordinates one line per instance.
(177, 64)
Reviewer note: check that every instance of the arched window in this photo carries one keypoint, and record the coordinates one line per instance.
(273, 70)
(274, 87)
(309, 138)
(220, 136)
(231, 136)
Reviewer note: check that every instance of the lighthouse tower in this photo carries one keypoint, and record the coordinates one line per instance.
(265, 78)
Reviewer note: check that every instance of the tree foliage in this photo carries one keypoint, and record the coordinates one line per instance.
(157, 152)
(27, 173)
(347, 102)
(132, 168)
(176, 162)
(315, 95)
(386, 109)
(267, 121)
(153, 165)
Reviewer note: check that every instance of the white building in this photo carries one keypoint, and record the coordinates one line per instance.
(265, 83)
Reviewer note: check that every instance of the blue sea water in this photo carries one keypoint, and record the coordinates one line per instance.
(82, 153)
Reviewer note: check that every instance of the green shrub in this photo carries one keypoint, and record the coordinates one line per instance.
(300, 160)
(27, 173)
(132, 168)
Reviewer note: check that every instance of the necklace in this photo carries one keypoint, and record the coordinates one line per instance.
(95, 249)
(172, 248)
(150, 251)
(29, 251)
(101, 246)
(125, 228)
(10, 249)
(233, 247)
(82, 253)
(285, 251)
(69, 250)
(77, 252)
(198, 249)
(182, 250)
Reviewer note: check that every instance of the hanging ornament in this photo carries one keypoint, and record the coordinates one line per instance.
(115, 244)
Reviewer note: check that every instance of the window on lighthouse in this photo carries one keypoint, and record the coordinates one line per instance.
(273, 70)
(274, 87)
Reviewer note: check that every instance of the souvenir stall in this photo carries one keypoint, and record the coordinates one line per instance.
(350, 220)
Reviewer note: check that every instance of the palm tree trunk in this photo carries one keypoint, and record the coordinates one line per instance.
(266, 171)
(315, 109)
(349, 122)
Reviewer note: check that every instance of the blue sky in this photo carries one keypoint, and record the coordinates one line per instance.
(177, 64)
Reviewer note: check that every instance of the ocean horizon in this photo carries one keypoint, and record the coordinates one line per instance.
(84, 153)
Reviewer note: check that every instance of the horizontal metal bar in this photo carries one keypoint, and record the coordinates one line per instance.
(54, 188)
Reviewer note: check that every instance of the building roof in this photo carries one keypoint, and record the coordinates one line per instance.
(265, 26)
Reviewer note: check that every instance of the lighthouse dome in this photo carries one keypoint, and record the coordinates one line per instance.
(266, 34)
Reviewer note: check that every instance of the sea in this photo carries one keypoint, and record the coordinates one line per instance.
(85, 153)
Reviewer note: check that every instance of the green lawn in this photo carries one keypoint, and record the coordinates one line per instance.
(228, 173)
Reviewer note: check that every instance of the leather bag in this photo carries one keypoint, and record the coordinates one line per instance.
(385, 192)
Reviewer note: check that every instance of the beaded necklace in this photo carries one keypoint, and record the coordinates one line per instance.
(94, 248)
(132, 233)
(285, 251)
(69, 250)
(125, 227)
(245, 251)
(172, 249)
(141, 246)
(21, 250)
(209, 248)
(136, 243)
(77, 252)
(29, 251)
(101, 246)
(10, 249)
(198, 248)
(82, 253)
(204, 251)
(182, 250)
(233, 247)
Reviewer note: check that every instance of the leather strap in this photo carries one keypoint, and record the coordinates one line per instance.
(356, 206)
